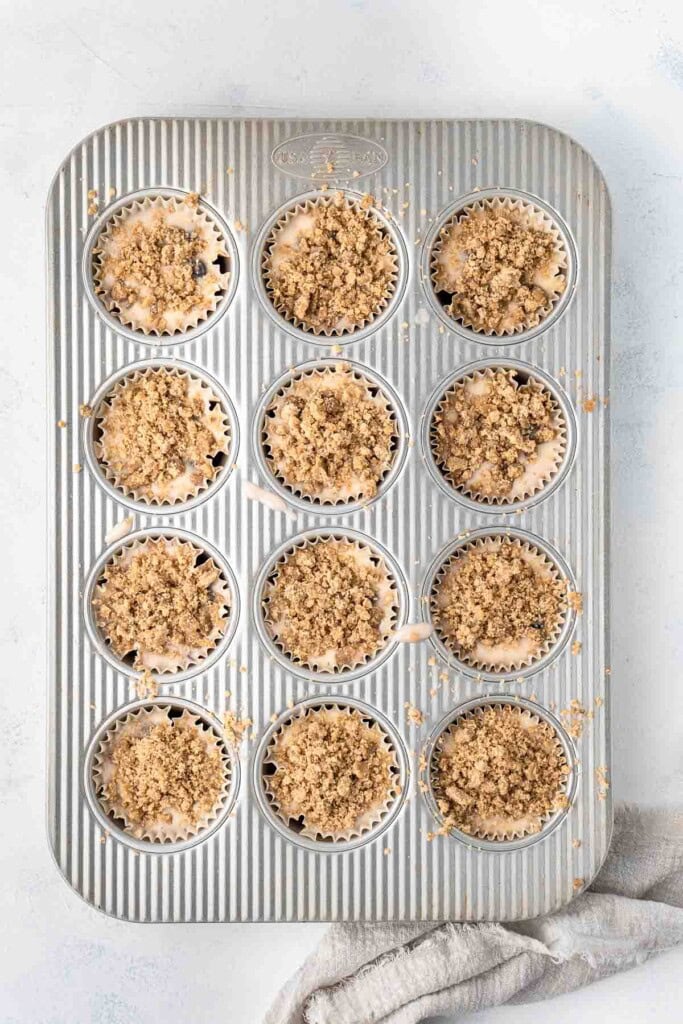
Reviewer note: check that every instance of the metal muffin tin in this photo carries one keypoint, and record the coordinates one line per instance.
(247, 172)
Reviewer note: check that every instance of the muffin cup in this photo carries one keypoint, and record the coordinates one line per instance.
(537, 214)
(167, 837)
(329, 370)
(370, 825)
(188, 664)
(492, 664)
(542, 476)
(493, 835)
(220, 250)
(185, 494)
(394, 593)
(284, 223)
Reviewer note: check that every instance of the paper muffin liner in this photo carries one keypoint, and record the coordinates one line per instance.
(183, 488)
(553, 282)
(505, 658)
(179, 661)
(539, 471)
(388, 597)
(498, 829)
(367, 822)
(299, 218)
(329, 376)
(181, 214)
(138, 723)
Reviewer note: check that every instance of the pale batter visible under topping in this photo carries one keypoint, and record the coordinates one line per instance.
(332, 769)
(159, 430)
(487, 431)
(493, 595)
(158, 602)
(499, 770)
(168, 773)
(330, 437)
(329, 605)
(499, 269)
(336, 270)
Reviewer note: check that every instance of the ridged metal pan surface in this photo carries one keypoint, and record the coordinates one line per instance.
(246, 170)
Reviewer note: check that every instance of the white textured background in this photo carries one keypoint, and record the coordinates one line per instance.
(609, 72)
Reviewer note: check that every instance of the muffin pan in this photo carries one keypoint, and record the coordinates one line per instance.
(250, 865)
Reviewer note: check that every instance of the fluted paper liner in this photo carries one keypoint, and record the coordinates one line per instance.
(504, 657)
(333, 377)
(138, 723)
(179, 213)
(299, 220)
(499, 829)
(183, 488)
(367, 822)
(553, 282)
(539, 471)
(388, 598)
(181, 660)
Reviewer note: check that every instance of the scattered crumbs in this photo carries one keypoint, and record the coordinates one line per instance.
(232, 663)
(588, 404)
(442, 329)
(235, 728)
(92, 193)
(561, 372)
(111, 191)
(575, 599)
(146, 685)
(243, 668)
(608, 671)
(443, 676)
(422, 786)
(240, 225)
(336, 350)
(92, 209)
(77, 467)
(273, 717)
(290, 703)
(578, 374)
(329, 167)
(422, 762)
(105, 834)
(431, 661)
(413, 714)
(93, 707)
(85, 410)
(574, 717)
(576, 843)
(475, 161)
(576, 647)
(61, 424)
(355, 174)
(228, 694)
(605, 402)
(578, 884)
(229, 170)
(386, 851)
(602, 781)
(599, 702)
(405, 325)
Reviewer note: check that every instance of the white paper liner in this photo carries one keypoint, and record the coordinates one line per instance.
(184, 487)
(500, 829)
(297, 220)
(539, 471)
(504, 657)
(388, 599)
(365, 823)
(330, 378)
(181, 660)
(553, 283)
(179, 213)
(138, 723)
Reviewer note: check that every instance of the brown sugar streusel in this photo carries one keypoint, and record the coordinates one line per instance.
(330, 605)
(332, 770)
(330, 436)
(158, 603)
(490, 431)
(501, 270)
(499, 771)
(332, 266)
(158, 265)
(166, 774)
(161, 434)
(495, 595)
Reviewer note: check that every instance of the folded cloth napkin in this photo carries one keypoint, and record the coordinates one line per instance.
(405, 973)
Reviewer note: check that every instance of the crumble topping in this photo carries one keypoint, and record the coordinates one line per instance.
(168, 771)
(491, 262)
(338, 272)
(330, 435)
(326, 599)
(492, 430)
(499, 764)
(160, 266)
(492, 595)
(156, 430)
(332, 769)
(160, 602)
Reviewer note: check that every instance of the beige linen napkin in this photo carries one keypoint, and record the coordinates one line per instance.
(405, 973)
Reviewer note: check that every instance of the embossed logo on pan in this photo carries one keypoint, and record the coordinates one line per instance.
(325, 157)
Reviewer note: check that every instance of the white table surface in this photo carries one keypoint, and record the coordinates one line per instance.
(610, 74)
